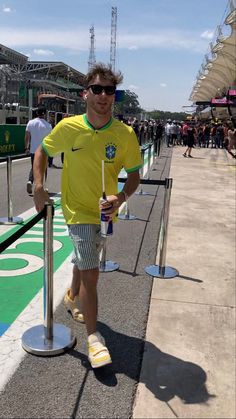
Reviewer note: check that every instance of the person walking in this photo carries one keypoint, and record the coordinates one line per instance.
(190, 140)
(231, 139)
(89, 142)
(36, 130)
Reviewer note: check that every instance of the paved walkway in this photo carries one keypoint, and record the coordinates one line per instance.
(189, 360)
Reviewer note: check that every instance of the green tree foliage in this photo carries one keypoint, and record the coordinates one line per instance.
(130, 107)
(164, 115)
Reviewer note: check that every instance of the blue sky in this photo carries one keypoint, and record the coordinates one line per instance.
(160, 43)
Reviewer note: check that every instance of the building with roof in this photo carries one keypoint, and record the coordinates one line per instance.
(25, 82)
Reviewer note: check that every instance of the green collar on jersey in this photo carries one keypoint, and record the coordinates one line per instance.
(86, 121)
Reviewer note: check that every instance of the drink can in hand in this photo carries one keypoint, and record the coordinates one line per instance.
(106, 223)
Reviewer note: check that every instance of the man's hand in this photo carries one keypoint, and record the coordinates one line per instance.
(112, 203)
(41, 197)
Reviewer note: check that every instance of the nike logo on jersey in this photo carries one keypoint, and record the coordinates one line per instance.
(76, 149)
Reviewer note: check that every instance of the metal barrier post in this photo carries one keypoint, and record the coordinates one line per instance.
(127, 215)
(10, 219)
(157, 154)
(49, 338)
(149, 160)
(159, 146)
(141, 192)
(106, 265)
(162, 271)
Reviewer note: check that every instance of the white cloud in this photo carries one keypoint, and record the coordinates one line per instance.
(6, 9)
(207, 34)
(168, 39)
(77, 39)
(163, 84)
(46, 52)
(133, 47)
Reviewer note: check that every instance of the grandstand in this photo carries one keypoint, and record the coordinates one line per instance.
(214, 90)
(23, 82)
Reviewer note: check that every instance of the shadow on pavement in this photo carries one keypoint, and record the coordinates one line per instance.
(167, 376)
(164, 375)
(189, 278)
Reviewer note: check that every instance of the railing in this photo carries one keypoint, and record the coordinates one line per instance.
(10, 219)
(49, 338)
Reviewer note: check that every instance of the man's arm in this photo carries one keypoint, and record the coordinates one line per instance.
(129, 188)
(130, 185)
(27, 141)
(40, 165)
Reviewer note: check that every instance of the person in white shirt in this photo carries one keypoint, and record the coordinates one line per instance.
(167, 132)
(36, 130)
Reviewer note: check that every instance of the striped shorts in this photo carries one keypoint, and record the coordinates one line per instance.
(87, 242)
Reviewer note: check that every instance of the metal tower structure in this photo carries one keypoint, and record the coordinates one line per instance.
(113, 38)
(92, 59)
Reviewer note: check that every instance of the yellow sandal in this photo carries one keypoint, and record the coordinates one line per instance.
(72, 307)
(98, 353)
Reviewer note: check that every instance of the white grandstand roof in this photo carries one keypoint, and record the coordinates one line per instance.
(218, 72)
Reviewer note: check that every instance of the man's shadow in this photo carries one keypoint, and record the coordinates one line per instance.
(164, 375)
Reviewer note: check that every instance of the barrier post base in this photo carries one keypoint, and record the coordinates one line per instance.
(108, 266)
(161, 272)
(126, 217)
(35, 342)
(141, 192)
(12, 220)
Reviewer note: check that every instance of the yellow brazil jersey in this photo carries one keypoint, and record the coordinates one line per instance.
(84, 149)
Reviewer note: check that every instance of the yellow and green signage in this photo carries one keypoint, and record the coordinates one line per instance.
(12, 139)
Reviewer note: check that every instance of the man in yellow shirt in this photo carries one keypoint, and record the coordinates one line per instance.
(87, 140)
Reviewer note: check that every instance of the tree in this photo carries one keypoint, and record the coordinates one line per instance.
(164, 115)
(129, 106)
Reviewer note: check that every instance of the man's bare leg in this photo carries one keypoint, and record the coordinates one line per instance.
(75, 283)
(88, 298)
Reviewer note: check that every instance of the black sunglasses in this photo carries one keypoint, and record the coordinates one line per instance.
(97, 89)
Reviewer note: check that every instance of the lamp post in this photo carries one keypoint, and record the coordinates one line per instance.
(67, 102)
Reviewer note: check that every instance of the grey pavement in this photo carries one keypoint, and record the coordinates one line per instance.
(188, 368)
(172, 341)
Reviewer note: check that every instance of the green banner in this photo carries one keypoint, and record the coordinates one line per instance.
(12, 139)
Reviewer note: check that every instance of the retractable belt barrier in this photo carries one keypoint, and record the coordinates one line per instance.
(161, 271)
(10, 219)
(49, 338)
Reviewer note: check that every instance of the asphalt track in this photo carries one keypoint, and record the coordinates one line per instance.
(65, 386)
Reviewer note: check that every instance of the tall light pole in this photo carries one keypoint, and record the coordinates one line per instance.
(68, 90)
(92, 59)
(113, 38)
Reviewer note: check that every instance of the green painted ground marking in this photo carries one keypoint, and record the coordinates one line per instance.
(21, 265)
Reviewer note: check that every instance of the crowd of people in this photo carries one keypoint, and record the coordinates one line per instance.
(187, 133)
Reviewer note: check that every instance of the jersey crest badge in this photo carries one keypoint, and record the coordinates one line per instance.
(110, 151)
